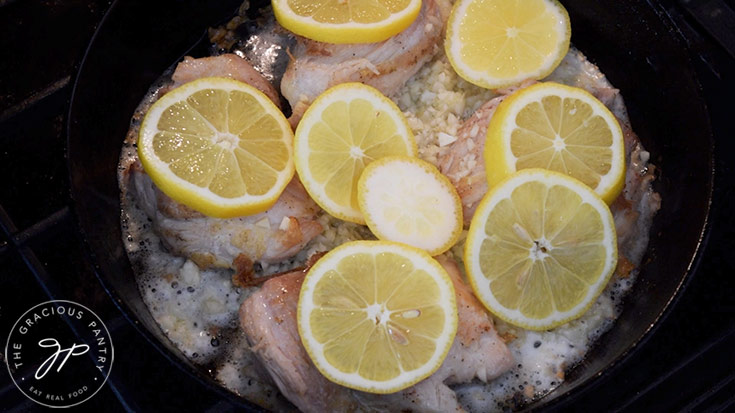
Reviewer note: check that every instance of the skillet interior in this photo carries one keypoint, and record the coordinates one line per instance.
(631, 42)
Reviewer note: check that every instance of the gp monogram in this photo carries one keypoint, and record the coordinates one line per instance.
(59, 353)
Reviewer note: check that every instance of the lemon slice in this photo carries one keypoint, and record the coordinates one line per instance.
(347, 127)
(408, 200)
(540, 249)
(498, 43)
(218, 146)
(377, 316)
(561, 128)
(346, 21)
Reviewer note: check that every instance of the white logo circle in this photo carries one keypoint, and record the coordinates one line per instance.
(59, 353)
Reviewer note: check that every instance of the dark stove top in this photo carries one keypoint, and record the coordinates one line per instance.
(686, 364)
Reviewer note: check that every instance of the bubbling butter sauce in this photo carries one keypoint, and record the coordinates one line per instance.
(198, 309)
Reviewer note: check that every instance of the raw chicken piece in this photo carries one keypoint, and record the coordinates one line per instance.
(387, 65)
(477, 351)
(271, 236)
(225, 65)
(268, 318)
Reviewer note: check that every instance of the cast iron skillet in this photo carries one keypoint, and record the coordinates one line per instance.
(633, 43)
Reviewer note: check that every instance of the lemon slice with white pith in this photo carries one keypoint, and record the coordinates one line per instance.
(377, 316)
(346, 21)
(408, 200)
(218, 146)
(540, 249)
(562, 128)
(499, 43)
